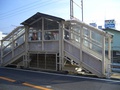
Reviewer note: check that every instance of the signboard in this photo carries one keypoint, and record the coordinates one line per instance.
(93, 24)
(99, 27)
(110, 23)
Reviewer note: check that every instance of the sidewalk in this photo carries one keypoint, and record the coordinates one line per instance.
(115, 76)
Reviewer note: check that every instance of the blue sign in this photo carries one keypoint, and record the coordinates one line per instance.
(99, 27)
(93, 24)
(109, 23)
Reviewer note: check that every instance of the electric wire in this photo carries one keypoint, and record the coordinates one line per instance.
(76, 4)
(18, 8)
(26, 9)
(22, 9)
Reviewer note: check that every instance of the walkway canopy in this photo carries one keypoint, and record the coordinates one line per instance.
(38, 16)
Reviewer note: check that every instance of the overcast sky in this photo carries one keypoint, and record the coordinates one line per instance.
(13, 12)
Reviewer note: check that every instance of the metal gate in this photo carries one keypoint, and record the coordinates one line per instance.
(43, 61)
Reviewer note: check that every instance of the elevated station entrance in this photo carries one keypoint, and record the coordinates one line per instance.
(51, 43)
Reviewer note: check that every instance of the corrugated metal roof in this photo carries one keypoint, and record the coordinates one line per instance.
(39, 15)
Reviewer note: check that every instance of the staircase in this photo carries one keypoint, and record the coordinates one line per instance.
(13, 47)
(86, 46)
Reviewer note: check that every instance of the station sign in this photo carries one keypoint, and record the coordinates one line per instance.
(109, 24)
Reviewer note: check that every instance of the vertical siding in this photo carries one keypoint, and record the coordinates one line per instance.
(116, 38)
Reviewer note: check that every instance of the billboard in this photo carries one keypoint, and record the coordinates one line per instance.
(109, 23)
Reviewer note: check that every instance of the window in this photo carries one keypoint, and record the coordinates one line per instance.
(35, 34)
(51, 35)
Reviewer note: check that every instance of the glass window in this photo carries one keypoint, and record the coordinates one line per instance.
(86, 32)
(50, 24)
(51, 35)
(7, 49)
(19, 41)
(35, 34)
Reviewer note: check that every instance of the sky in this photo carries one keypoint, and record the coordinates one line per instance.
(14, 12)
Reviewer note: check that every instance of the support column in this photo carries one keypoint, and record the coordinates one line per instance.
(57, 63)
(25, 61)
(81, 46)
(1, 59)
(71, 9)
(109, 48)
(45, 60)
(90, 37)
(109, 58)
(61, 45)
(13, 43)
(103, 55)
(42, 34)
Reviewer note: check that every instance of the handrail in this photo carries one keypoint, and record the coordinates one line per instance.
(92, 41)
(14, 58)
(13, 49)
(13, 40)
(92, 53)
(88, 26)
(84, 64)
(71, 55)
(12, 32)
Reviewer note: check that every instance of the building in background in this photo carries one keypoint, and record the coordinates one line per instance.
(115, 44)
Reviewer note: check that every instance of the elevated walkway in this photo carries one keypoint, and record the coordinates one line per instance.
(74, 41)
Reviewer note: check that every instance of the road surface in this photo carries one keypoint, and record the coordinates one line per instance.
(16, 79)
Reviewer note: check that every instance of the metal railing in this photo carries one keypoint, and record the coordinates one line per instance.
(90, 40)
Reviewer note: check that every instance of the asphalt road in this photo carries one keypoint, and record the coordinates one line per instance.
(13, 79)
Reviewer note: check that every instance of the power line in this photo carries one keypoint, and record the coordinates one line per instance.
(12, 12)
(16, 9)
(76, 4)
(21, 11)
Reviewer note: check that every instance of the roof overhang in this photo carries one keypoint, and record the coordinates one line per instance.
(40, 15)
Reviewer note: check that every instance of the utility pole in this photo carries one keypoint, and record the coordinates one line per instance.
(82, 9)
(71, 9)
